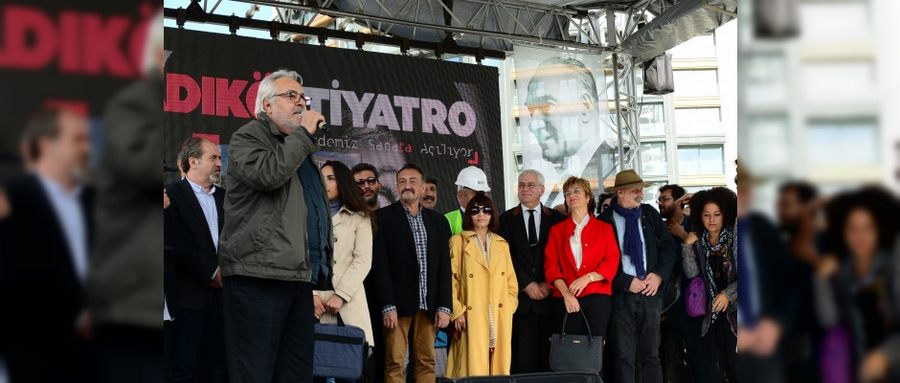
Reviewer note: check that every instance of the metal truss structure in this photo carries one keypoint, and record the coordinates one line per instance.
(489, 28)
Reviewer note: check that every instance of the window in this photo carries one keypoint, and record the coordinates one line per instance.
(852, 21)
(653, 159)
(843, 143)
(703, 46)
(701, 160)
(767, 143)
(766, 81)
(698, 121)
(846, 81)
(696, 83)
(652, 120)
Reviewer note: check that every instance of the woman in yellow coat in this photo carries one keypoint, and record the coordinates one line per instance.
(485, 295)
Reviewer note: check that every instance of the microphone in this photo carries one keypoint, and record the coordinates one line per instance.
(322, 126)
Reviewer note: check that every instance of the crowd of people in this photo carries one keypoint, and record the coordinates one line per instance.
(675, 291)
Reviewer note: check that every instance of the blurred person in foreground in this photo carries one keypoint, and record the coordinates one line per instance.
(762, 290)
(125, 287)
(485, 294)
(858, 289)
(581, 262)
(44, 251)
(798, 209)
(344, 296)
(709, 252)
(277, 240)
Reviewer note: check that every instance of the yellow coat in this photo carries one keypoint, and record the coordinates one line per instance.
(475, 287)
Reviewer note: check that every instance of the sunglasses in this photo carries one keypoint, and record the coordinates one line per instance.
(370, 181)
(485, 209)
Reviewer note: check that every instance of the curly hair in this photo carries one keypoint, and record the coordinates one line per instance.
(723, 197)
(878, 202)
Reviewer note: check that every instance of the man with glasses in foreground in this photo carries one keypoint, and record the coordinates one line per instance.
(276, 239)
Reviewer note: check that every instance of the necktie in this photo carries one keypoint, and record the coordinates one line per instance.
(532, 231)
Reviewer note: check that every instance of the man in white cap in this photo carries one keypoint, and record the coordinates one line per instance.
(469, 182)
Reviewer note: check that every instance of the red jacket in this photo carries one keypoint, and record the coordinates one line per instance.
(600, 253)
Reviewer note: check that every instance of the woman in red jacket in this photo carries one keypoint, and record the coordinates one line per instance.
(581, 260)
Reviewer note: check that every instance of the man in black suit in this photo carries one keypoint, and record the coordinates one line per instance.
(525, 227)
(412, 277)
(192, 223)
(765, 295)
(648, 254)
(44, 248)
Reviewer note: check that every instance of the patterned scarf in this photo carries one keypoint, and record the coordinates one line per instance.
(726, 237)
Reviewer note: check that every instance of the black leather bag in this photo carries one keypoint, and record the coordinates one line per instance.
(570, 352)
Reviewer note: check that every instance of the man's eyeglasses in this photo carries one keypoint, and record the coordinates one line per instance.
(485, 209)
(294, 96)
(530, 185)
(364, 181)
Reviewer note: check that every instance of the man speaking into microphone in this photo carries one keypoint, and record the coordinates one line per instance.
(276, 241)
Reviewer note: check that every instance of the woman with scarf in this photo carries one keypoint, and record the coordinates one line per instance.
(710, 253)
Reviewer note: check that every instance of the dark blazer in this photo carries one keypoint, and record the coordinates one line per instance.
(662, 250)
(771, 259)
(529, 264)
(396, 267)
(35, 259)
(190, 254)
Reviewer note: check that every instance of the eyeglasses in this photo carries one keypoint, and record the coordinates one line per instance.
(370, 181)
(573, 191)
(530, 185)
(294, 96)
(484, 209)
(664, 199)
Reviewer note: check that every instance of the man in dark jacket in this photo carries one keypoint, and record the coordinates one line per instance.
(411, 266)
(648, 254)
(526, 227)
(276, 243)
(193, 281)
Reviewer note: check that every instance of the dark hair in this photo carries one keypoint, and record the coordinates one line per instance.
(723, 197)
(362, 166)
(602, 197)
(805, 191)
(677, 190)
(876, 201)
(191, 148)
(348, 193)
(431, 180)
(413, 167)
(42, 125)
(481, 199)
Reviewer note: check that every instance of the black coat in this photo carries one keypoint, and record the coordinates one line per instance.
(39, 287)
(662, 250)
(395, 265)
(528, 262)
(190, 254)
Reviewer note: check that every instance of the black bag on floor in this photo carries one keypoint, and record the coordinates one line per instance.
(570, 352)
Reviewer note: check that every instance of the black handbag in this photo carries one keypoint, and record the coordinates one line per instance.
(570, 352)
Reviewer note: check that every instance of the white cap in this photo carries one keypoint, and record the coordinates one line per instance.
(473, 178)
